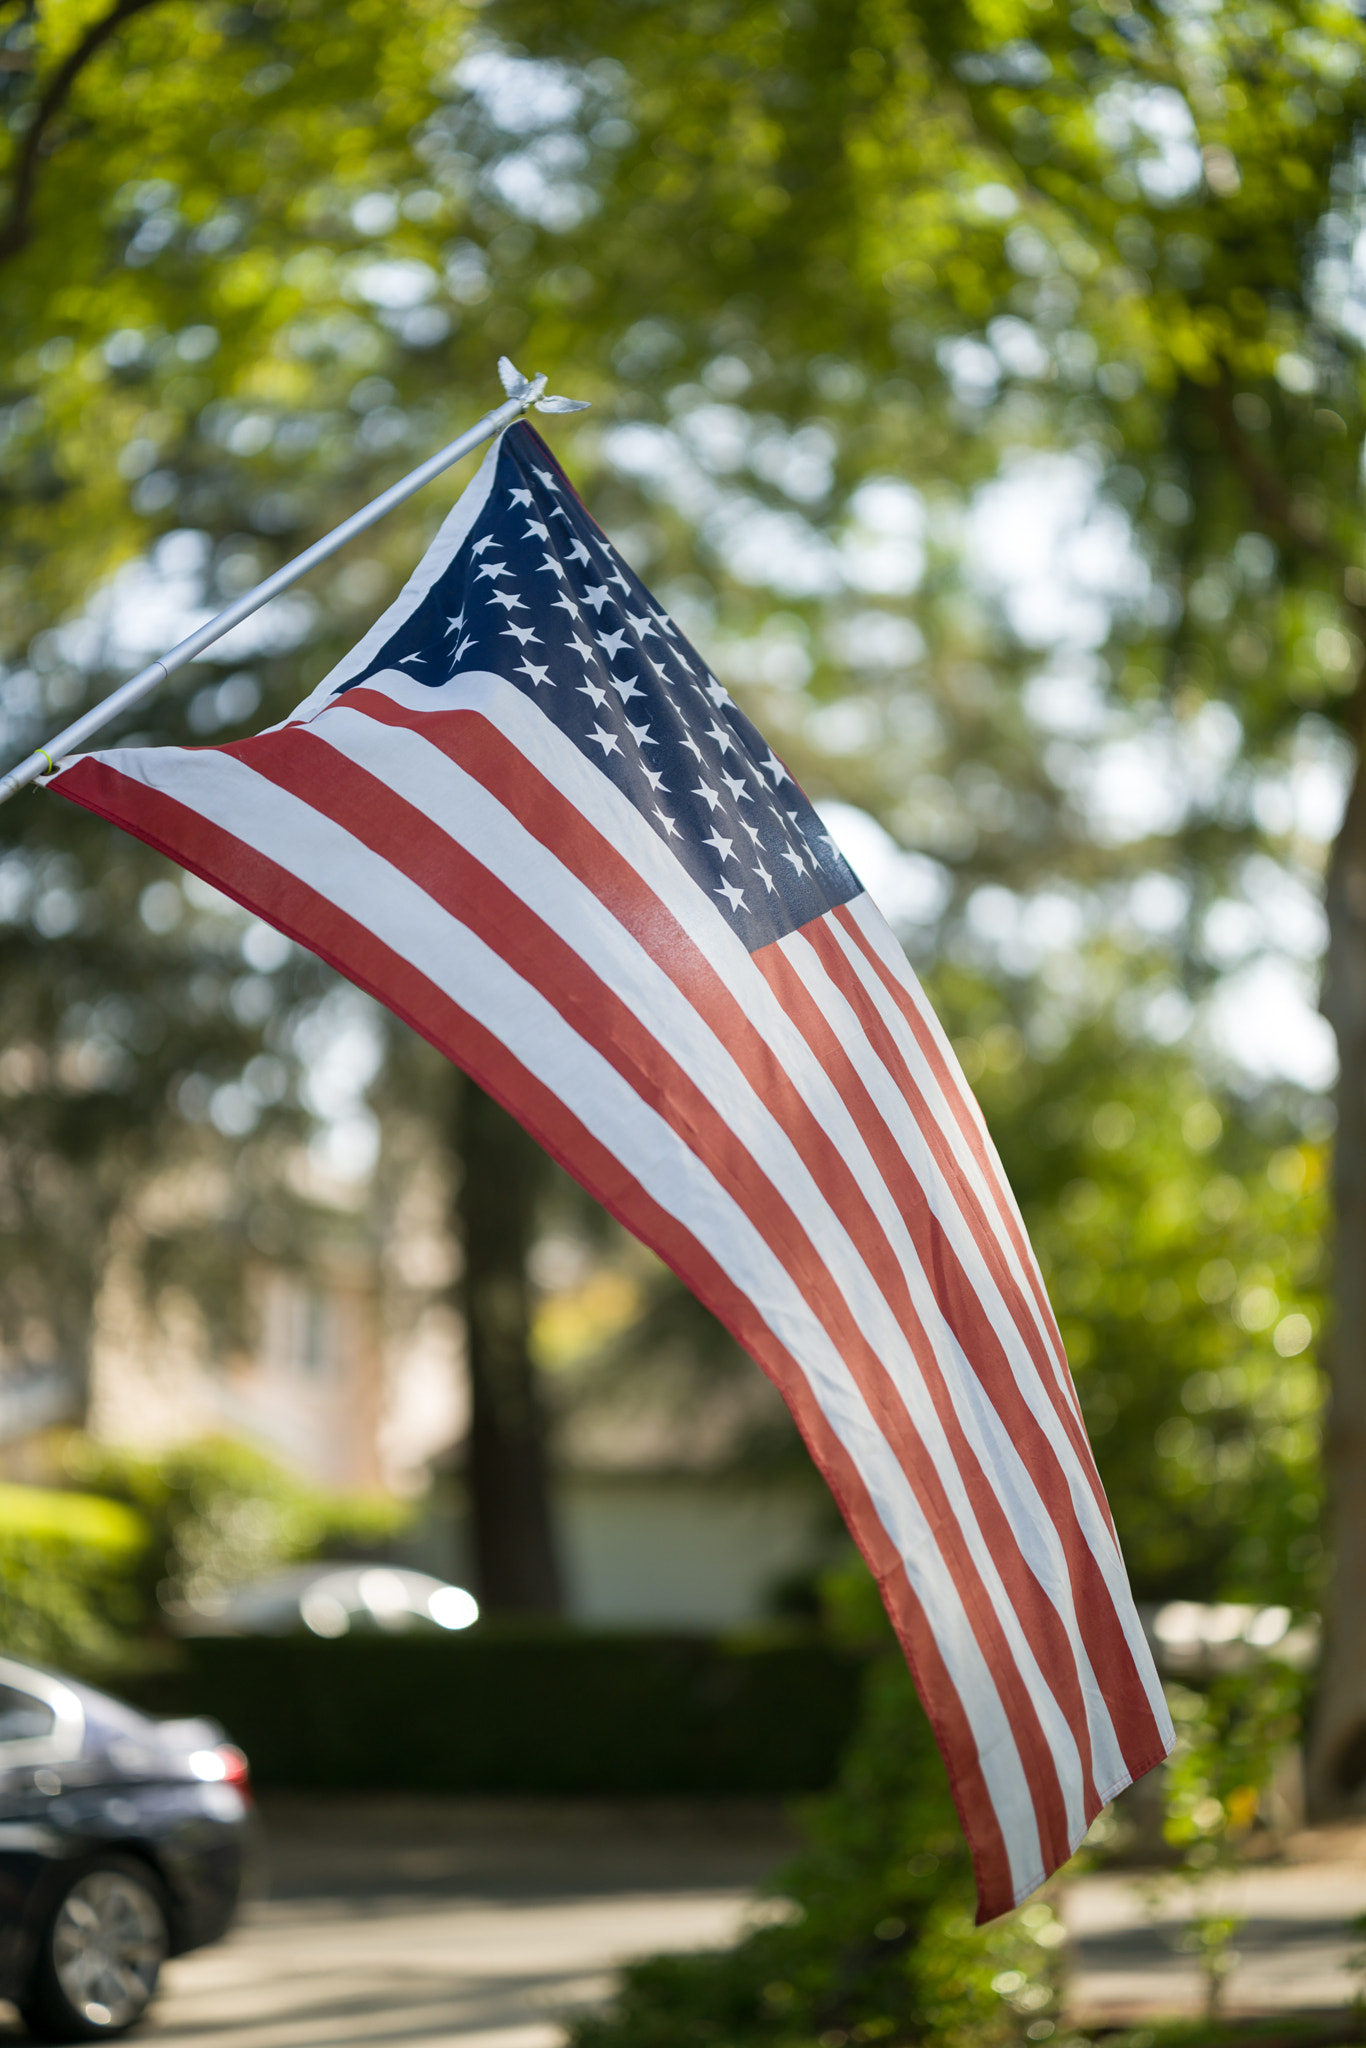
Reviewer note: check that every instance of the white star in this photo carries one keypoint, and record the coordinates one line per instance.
(716, 693)
(612, 643)
(596, 596)
(405, 658)
(484, 541)
(736, 785)
(598, 696)
(667, 823)
(691, 744)
(537, 675)
(549, 562)
(765, 877)
(578, 552)
(543, 476)
(620, 581)
(521, 633)
(535, 526)
(558, 512)
(641, 734)
(584, 652)
(712, 796)
(508, 599)
(608, 741)
(753, 830)
(640, 626)
(775, 770)
(522, 498)
(493, 569)
(721, 736)
(468, 641)
(565, 603)
(653, 777)
(665, 623)
(799, 865)
(725, 847)
(454, 625)
(626, 687)
(735, 897)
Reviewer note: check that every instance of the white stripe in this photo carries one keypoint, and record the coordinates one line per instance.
(287, 829)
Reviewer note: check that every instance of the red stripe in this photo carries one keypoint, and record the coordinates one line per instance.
(271, 892)
(298, 760)
(962, 1111)
(1107, 1647)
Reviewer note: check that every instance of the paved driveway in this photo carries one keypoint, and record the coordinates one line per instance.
(460, 1921)
(469, 1924)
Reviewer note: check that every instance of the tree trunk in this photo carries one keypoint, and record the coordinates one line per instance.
(509, 1478)
(1336, 1775)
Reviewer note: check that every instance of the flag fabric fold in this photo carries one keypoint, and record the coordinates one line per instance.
(525, 816)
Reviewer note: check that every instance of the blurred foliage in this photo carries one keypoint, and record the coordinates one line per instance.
(1231, 1736)
(88, 1580)
(68, 1566)
(1182, 1243)
(220, 1514)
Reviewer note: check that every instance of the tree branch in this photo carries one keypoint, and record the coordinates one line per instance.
(16, 228)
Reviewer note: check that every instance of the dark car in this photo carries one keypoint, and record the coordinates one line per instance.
(122, 1842)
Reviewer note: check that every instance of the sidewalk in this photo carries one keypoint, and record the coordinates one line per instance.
(1294, 1949)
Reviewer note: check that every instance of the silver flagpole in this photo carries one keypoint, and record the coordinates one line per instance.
(522, 392)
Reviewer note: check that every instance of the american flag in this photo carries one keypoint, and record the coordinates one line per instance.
(525, 815)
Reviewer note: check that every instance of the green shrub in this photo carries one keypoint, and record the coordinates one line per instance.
(87, 1578)
(68, 1566)
(221, 1513)
(871, 1937)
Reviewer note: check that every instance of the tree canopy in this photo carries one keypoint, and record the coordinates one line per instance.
(982, 388)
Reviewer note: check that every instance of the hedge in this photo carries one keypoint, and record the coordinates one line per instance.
(497, 1711)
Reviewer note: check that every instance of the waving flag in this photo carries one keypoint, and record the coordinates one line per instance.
(525, 815)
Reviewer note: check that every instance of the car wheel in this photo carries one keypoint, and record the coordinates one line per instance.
(101, 1952)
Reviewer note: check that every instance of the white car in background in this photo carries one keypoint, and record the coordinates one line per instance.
(333, 1600)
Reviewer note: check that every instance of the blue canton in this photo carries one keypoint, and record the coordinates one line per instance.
(537, 595)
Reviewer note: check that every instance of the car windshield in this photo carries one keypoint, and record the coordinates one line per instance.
(22, 1717)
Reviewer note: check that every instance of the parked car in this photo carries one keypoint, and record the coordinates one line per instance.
(332, 1599)
(122, 1842)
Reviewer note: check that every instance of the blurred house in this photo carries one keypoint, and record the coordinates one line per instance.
(342, 1358)
(692, 1513)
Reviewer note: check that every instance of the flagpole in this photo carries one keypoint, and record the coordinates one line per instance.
(523, 392)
